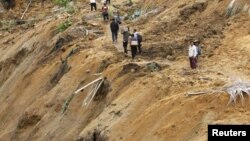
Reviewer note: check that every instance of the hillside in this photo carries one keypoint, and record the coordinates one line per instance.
(53, 51)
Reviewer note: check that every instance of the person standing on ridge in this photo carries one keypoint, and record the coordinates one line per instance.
(105, 12)
(198, 48)
(92, 4)
(192, 53)
(114, 27)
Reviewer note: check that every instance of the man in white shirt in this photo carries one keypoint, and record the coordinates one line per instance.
(135, 33)
(93, 4)
(192, 54)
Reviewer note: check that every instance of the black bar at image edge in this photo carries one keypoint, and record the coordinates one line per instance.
(234, 132)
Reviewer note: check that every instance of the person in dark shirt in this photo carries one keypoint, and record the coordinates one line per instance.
(114, 27)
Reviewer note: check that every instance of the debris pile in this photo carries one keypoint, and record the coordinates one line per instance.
(235, 7)
(238, 89)
(96, 86)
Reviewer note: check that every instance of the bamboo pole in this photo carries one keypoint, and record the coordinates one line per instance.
(26, 9)
(196, 93)
(77, 91)
(89, 94)
(94, 92)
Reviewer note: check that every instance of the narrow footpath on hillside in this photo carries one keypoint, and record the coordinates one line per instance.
(106, 40)
(108, 34)
(117, 45)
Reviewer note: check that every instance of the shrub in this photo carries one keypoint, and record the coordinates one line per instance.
(7, 24)
(70, 9)
(62, 2)
(63, 26)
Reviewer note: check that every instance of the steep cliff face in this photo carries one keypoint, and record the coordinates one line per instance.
(47, 56)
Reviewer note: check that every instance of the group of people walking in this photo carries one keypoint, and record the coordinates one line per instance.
(94, 6)
(135, 39)
(105, 10)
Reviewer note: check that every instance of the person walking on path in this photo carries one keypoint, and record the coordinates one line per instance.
(92, 4)
(105, 12)
(117, 17)
(192, 53)
(133, 45)
(135, 33)
(114, 27)
(139, 39)
(126, 35)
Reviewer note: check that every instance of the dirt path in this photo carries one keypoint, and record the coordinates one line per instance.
(108, 35)
(107, 39)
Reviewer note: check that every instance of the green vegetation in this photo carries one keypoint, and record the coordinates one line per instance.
(66, 103)
(7, 24)
(130, 2)
(70, 9)
(62, 2)
(63, 26)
